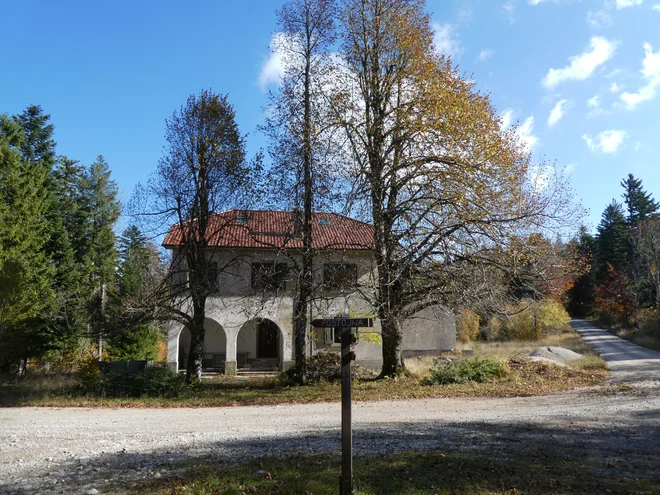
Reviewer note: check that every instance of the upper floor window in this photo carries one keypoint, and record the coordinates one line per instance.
(213, 275)
(337, 276)
(269, 276)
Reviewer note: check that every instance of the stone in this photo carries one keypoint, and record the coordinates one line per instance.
(93, 491)
(556, 354)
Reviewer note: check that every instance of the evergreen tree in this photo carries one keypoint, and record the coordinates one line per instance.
(25, 269)
(37, 145)
(102, 211)
(580, 297)
(639, 203)
(612, 241)
(139, 273)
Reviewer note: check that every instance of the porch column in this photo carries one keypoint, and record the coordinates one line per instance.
(231, 366)
(173, 330)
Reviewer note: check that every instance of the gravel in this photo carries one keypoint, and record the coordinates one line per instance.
(90, 451)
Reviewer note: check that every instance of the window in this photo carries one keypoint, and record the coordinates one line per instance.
(242, 219)
(269, 276)
(212, 272)
(324, 221)
(331, 337)
(337, 276)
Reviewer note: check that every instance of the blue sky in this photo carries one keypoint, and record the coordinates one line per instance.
(109, 73)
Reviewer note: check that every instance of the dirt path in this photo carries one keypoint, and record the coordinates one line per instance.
(80, 450)
(628, 362)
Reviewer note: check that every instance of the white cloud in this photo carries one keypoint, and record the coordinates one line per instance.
(615, 88)
(541, 175)
(445, 40)
(599, 19)
(510, 10)
(558, 112)
(656, 7)
(524, 133)
(507, 118)
(622, 4)
(638, 145)
(594, 102)
(582, 66)
(568, 169)
(485, 54)
(273, 68)
(606, 141)
(651, 74)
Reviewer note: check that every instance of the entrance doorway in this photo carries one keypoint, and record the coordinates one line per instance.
(268, 335)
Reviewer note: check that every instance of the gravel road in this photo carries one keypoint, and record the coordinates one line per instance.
(627, 361)
(73, 451)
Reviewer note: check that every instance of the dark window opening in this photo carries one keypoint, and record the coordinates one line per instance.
(212, 273)
(241, 219)
(269, 276)
(337, 276)
(324, 221)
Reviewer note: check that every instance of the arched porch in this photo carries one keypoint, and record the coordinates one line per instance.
(215, 346)
(260, 345)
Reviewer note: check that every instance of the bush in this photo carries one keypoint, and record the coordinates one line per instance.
(135, 344)
(649, 322)
(530, 321)
(477, 369)
(324, 366)
(467, 325)
(153, 381)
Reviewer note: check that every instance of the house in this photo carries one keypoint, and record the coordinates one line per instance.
(249, 320)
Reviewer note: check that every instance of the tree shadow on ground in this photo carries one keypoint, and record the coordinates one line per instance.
(407, 458)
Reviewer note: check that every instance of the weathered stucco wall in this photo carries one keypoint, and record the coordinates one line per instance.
(232, 314)
(430, 331)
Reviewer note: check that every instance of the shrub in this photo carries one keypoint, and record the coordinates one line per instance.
(153, 381)
(467, 325)
(135, 344)
(649, 322)
(530, 321)
(476, 369)
(324, 366)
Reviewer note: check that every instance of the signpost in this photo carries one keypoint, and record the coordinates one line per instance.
(344, 325)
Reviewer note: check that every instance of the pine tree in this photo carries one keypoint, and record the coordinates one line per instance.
(102, 211)
(25, 270)
(612, 241)
(140, 272)
(639, 203)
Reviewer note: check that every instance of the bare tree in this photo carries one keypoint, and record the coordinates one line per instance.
(203, 170)
(296, 129)
(447, 189)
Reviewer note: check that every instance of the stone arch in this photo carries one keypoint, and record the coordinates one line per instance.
(214, 350)
(260, 343)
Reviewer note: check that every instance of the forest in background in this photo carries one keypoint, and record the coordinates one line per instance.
(65, 276)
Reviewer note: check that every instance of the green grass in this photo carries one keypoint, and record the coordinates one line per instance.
(409, 473)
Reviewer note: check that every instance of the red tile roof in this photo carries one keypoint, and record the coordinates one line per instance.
(275, 229)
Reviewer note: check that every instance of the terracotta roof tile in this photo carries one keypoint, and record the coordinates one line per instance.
(275, 229)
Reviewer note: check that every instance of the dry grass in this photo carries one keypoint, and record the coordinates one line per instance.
(525, 379)
(504, 351)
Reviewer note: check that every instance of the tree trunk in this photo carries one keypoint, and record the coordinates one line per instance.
(194, 371)
(392, 357)
(305, 282)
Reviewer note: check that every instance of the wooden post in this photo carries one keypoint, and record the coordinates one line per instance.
(346, 480)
